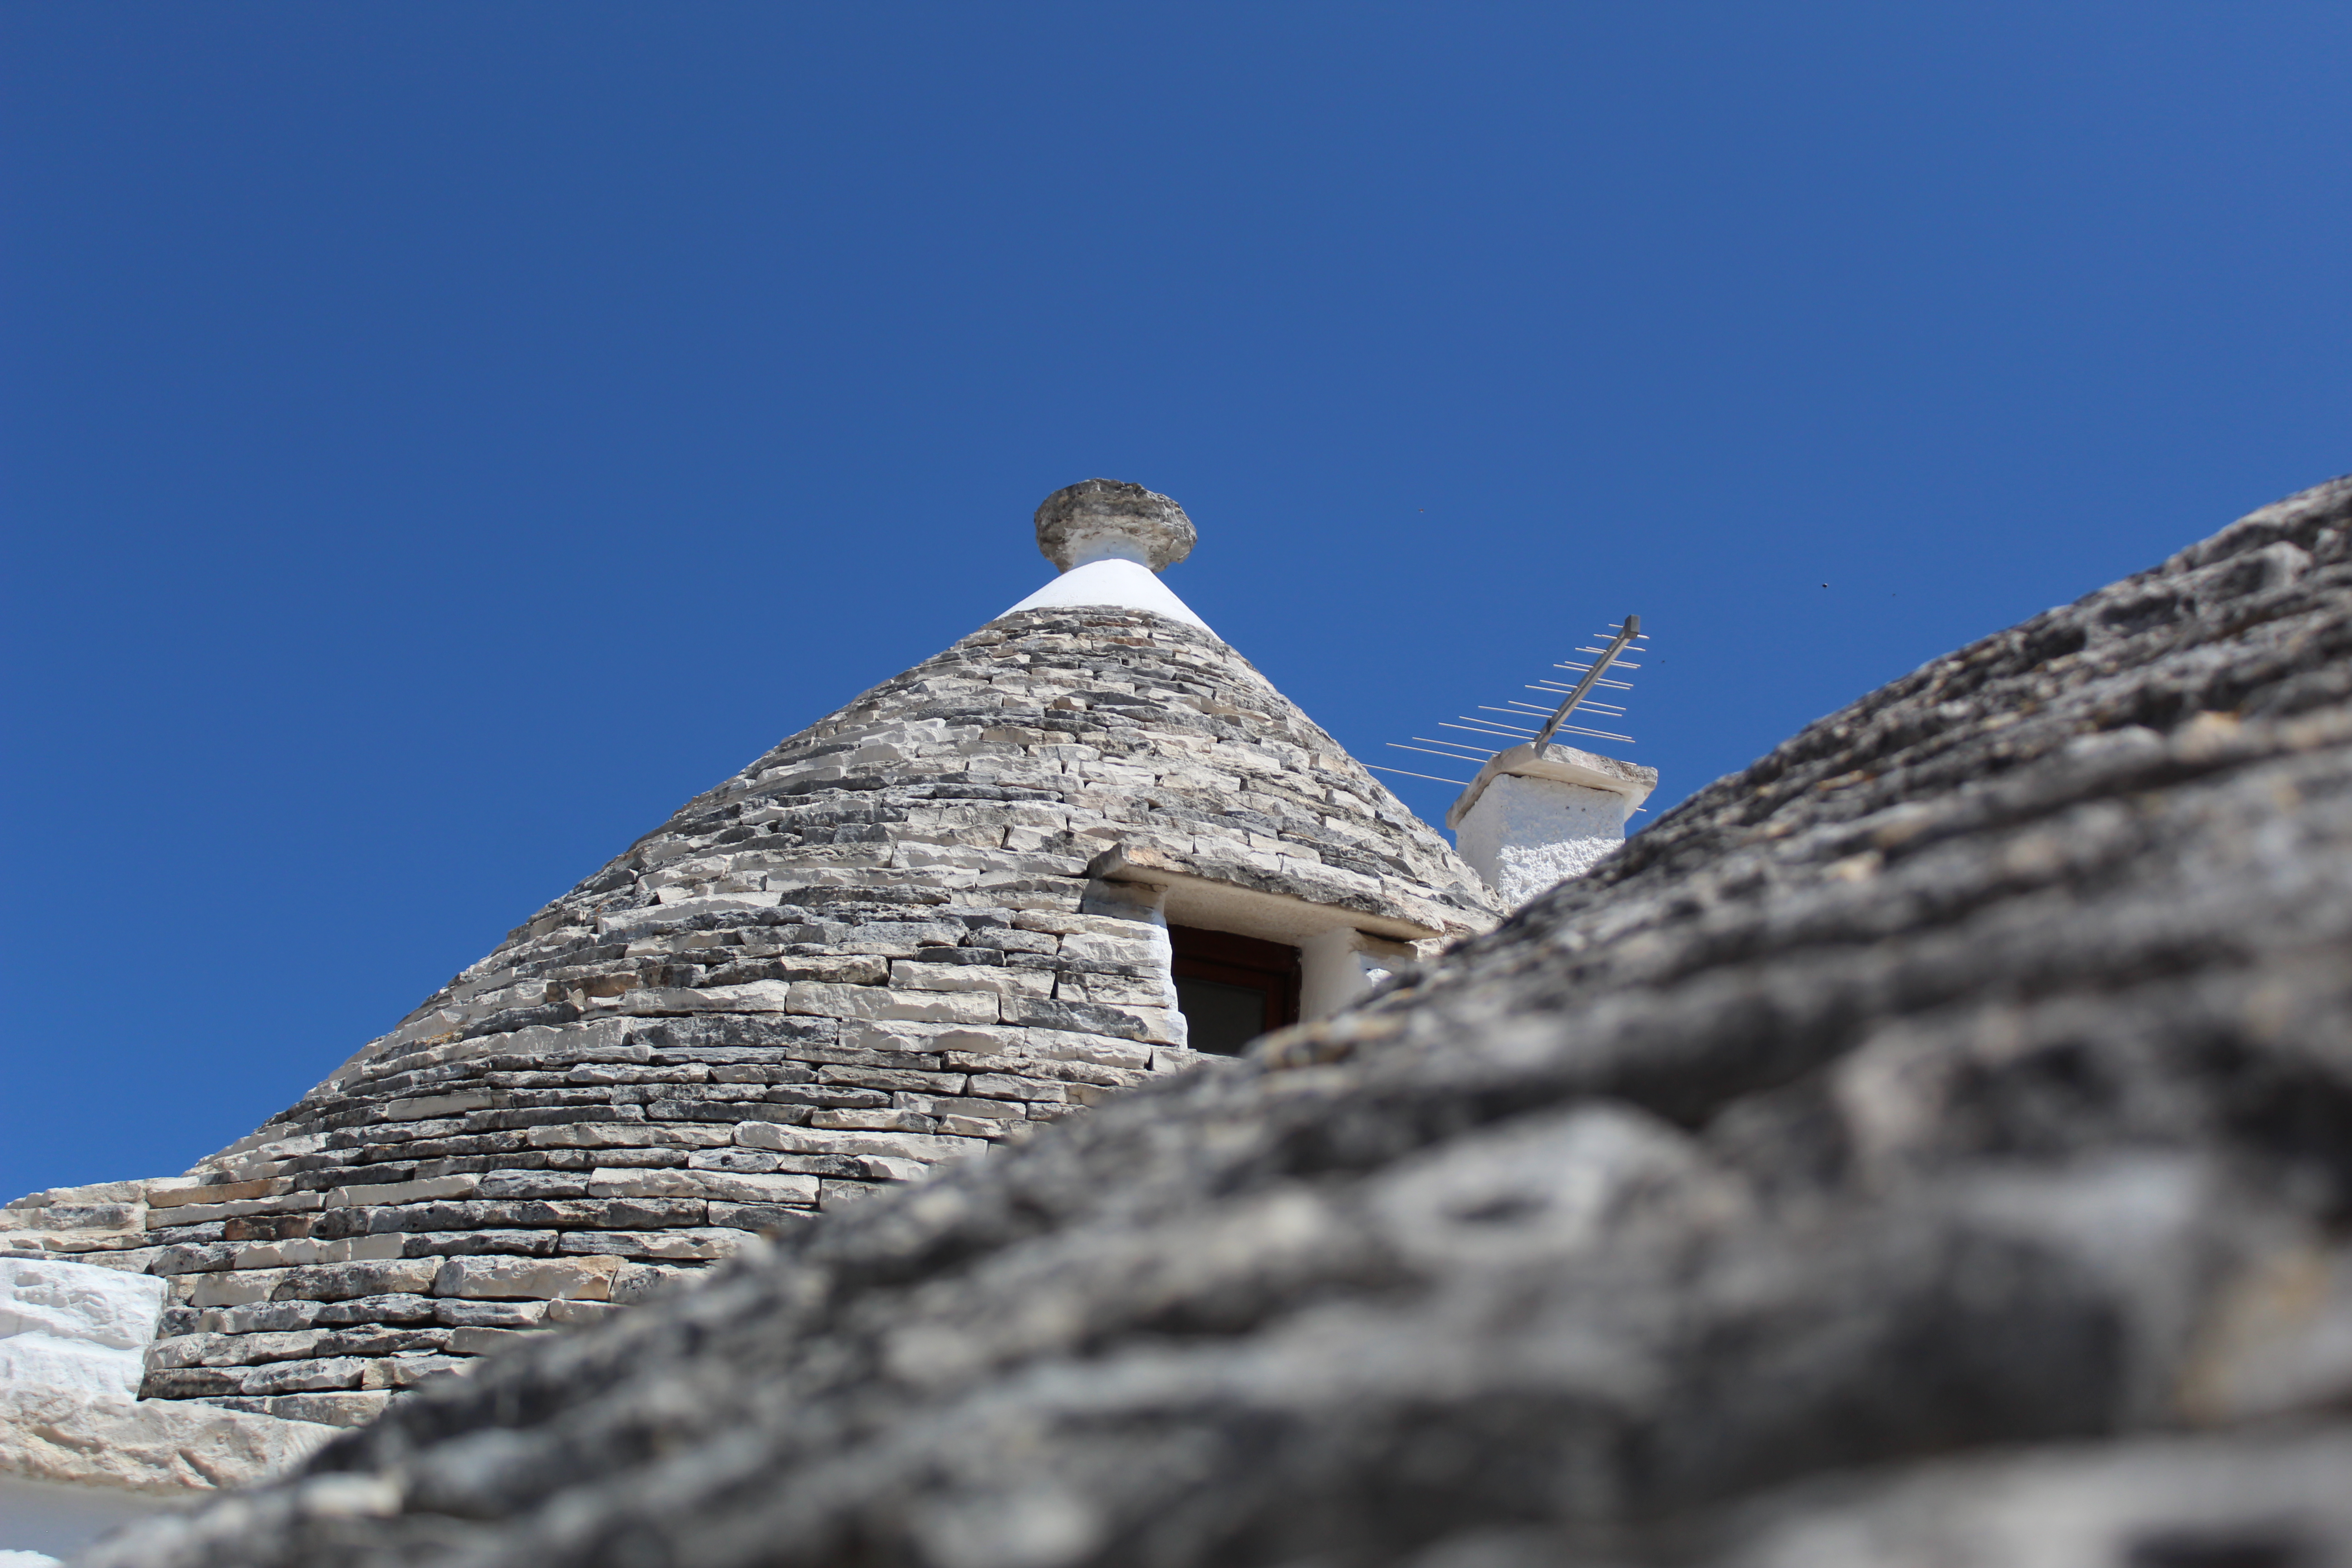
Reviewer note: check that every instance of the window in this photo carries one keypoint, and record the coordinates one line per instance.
(1231, 989)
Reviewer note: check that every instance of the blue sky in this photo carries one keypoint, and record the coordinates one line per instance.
(440, 438)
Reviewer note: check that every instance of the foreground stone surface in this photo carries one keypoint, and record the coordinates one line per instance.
(78, 1449)
(1931, 1146)
(160, 1446)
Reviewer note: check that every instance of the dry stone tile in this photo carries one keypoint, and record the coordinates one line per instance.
(519, 1278)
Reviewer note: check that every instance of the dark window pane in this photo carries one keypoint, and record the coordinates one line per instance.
(1221, 1017)
(1231, 989)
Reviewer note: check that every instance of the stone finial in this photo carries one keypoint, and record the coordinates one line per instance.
(1096, 520)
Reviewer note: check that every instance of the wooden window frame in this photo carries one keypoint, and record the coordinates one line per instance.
(1268, 967)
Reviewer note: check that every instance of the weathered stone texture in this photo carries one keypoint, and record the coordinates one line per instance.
(61, 1435)
(1929, 1146)
(71, 1344)
(864, 954)
(1078, 516)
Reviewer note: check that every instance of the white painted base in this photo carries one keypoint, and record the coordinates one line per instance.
(1113, 583)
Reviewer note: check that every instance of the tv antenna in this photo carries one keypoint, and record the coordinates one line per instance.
(1520, 723)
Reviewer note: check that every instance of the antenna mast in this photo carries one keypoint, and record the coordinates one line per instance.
(1626, 633)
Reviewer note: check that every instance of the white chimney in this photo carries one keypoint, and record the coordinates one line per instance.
(1534, 815)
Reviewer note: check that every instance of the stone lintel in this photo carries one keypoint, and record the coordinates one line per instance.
(1270, 913)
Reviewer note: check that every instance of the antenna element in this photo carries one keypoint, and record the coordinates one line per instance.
(1508, 729)
(1625, 634)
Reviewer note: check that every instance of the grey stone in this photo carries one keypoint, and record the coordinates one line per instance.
(400, 1309)
(573, 1313)
(301, 1376)
(379, 1339)
(511, 1243)
(764, 1219)
(327, 1409)
(634, 1282)
(488, 1314)
(486, 1342)
(188, 1383)
(348, 1281)
(399, 1371)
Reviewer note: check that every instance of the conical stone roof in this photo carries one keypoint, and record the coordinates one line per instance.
(900, 936)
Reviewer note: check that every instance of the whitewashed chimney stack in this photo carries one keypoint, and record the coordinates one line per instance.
(1533, 815)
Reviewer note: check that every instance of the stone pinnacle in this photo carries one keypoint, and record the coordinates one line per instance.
(1097, 519)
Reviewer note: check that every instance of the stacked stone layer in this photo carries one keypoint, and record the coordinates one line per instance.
(867, 953)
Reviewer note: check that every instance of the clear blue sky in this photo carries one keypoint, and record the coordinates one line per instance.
(439, 438)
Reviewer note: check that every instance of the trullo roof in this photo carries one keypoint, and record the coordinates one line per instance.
(873, 949)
